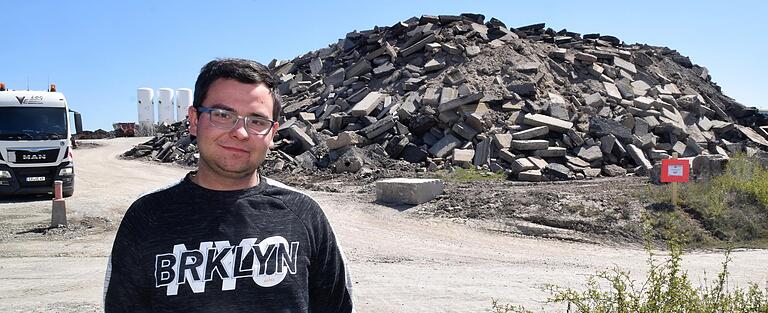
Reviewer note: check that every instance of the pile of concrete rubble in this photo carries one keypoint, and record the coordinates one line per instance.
(538, 104)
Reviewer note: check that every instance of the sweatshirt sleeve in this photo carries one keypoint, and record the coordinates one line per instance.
(125, 288)
(330, 287)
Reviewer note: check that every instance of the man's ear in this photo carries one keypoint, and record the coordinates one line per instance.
(272, 133)
(192, 116)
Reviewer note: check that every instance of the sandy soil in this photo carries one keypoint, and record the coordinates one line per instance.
(401, 261)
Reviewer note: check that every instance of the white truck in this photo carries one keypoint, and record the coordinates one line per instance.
(35, 142)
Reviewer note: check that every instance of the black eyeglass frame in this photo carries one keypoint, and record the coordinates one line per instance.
(239, 117)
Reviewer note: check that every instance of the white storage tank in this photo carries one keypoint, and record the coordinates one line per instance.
(183, 101)
(146, 106)
(165, 113)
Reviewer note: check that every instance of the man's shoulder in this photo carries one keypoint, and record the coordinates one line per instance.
(152, 198)
(293, 198)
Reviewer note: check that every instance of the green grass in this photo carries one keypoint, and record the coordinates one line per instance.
(470, 175)
(728, 209)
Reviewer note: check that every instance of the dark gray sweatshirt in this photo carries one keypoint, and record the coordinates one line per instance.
(186, 248)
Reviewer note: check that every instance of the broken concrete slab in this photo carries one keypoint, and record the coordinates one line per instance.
(552, 123)
(531, 133)
(444, 146)
(412, 191)
(367, 104)
(523, 145)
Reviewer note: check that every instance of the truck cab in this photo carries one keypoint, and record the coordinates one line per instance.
(35, 142)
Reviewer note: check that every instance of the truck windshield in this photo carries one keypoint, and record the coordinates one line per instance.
(27, 123)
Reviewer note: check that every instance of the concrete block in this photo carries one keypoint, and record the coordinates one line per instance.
(531, 133)
(342, 140)
(367, 104)
(483, 152)
(444, 146)
(507, 156)
(551, 152)
(530, 175)
(456, 103)
(464, 130)
(297, 134)
(534, 144)
(463, 157)
(554, 124)
(639, 157)
(502, 141)
(538, 162)
(408, 190)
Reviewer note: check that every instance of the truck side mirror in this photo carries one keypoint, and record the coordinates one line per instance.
(78, 123)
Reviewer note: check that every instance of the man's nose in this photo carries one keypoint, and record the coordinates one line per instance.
(239, 131)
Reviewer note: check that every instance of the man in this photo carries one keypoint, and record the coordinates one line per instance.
(226, 239)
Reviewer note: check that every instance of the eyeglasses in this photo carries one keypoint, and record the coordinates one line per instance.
(227, 120)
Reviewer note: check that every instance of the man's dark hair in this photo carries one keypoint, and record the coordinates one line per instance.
(241, 70)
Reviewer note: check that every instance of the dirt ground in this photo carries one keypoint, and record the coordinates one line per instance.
(450, 255)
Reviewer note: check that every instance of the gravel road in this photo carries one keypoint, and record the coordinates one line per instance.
(400, 262)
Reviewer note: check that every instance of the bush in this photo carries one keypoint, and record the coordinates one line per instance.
(666, 289)
(732, 207)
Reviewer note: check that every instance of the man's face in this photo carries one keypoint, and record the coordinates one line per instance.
(232, 154)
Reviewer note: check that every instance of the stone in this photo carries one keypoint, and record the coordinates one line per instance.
(464, 130)
(522, 145)
(431, 96)
(433, 65)
(612, 91)
(752, 135)
(538, 162)
(502, 141)
(644, 103)
(558, 171)
(551, 152)
(444, 146)
(599, 126)
(483, 152)
(590, 154)
(708, 166)
(638, 156)
(456, 103)
(454, 77)
(472, 50)
(613, 170)
(595, 100)
(521, 164)
(585, 57)
(299, 135)
(607, 143)
(522, 88)
(342, 140)
(412, 191)
(447, 94)
(361, 67)
(530, 175)
(350, 161)
(463, 157)
(475, 120)
(379, 127)
(414, 154)
(531, 133)
(418, 45)
(623, 64)
(507, 156)
(552, 123)
(367, 104)
(335, 79)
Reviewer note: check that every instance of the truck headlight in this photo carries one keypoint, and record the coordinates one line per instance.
(67, 171)
(5, 174)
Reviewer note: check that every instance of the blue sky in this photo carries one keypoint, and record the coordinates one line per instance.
(99, 52)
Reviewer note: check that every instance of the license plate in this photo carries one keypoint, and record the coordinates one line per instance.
(36, 178)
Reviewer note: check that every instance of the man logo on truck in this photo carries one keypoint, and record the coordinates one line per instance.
(33, 157)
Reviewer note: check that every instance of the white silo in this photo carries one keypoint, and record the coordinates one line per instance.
(146, 109)
(183, 100)
(165, 106)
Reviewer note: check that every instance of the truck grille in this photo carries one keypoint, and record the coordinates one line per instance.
(23, 173)
(34, 156)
